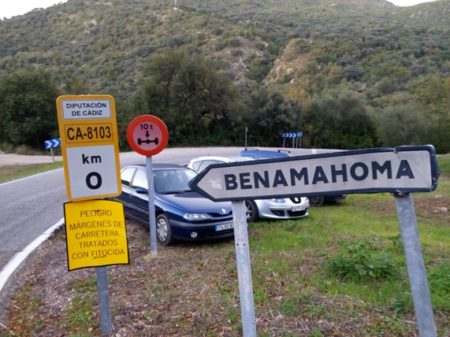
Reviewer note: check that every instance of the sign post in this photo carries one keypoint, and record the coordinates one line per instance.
(415, 265)
(50, 144)
(88, 130)
(103, 295)
(96, 234)
(296, 138)
(400, 170)
(244, 268)
(148, 135)
(96, 237)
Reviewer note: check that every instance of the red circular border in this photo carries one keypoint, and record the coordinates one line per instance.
(150, 119)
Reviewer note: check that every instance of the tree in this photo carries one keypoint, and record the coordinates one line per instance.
(271, 115)
(339, 121)
(198, 104)
(402, 125)
(28, 108)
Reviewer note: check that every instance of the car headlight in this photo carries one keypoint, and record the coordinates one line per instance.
(279, 200)
(195, 216)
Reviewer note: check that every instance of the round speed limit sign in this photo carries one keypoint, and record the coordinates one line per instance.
(147, 135)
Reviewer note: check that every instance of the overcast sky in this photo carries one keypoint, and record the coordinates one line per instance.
(10, 8)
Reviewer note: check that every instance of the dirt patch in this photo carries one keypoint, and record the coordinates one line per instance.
(8, 159)
(435, 207)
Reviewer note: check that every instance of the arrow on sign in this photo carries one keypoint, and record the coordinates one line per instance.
(292, 134)
(398, 170)
(52, 143)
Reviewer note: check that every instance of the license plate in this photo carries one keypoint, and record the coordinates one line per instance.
(297, 208)
(223, 227)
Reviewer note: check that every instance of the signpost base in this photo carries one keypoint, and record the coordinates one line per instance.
(151, 207)
(415, 265)
(103, 298)
(244, 269)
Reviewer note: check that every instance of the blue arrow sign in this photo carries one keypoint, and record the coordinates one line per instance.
(292, 134)
(52, 143)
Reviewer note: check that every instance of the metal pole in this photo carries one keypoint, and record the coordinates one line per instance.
(244, 269)
(415, 265)
(246, 132)
(53, 157)
(103, 298)
(151, 207)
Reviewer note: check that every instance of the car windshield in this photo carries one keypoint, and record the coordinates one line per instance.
(173, 181)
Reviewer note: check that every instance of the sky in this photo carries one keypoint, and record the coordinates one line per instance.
(9, 8)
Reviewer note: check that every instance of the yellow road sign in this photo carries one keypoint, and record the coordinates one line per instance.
(90, 146)
(95, 233)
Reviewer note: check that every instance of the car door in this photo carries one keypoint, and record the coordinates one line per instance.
(138, 196)
(126, 175)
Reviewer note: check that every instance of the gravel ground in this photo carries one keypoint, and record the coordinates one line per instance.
(17, 159)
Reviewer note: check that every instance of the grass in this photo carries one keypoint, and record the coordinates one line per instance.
(12, 172)
(444, 163)
(192, 289)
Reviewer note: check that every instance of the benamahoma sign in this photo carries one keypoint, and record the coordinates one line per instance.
(398, 170)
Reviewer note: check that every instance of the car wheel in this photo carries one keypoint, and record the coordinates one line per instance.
(251, 211)
(163, 230)
(316, 201)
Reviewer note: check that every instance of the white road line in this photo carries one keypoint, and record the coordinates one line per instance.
(17, 259)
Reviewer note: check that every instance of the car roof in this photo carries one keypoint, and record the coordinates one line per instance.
(263, 154)
(221, 158)
(159, 166)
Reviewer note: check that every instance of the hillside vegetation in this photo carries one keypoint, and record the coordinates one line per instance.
(348, 73)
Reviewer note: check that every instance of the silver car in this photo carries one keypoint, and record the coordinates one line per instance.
(278, 208)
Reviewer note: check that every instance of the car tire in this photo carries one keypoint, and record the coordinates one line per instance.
(163, 230)
(316, 201)
(251, 211)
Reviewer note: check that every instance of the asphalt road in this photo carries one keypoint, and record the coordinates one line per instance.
(28, 207)
(31, 205)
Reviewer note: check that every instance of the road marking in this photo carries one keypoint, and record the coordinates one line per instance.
(17, 259)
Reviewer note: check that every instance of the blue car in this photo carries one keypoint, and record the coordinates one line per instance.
(181, 214)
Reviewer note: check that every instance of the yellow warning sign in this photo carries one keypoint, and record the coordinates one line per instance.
(95, 233)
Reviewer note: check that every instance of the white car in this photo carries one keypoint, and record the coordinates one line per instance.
(278, 208)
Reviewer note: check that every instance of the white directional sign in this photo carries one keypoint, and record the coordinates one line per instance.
(402, 169)
(88, 130)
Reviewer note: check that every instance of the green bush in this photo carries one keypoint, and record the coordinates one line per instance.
(361, 261)
(439, 279)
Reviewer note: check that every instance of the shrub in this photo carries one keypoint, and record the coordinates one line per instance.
(439, 279)
(362, 261)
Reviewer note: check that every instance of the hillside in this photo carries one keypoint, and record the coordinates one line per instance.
(105, 43)
(378, 55)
